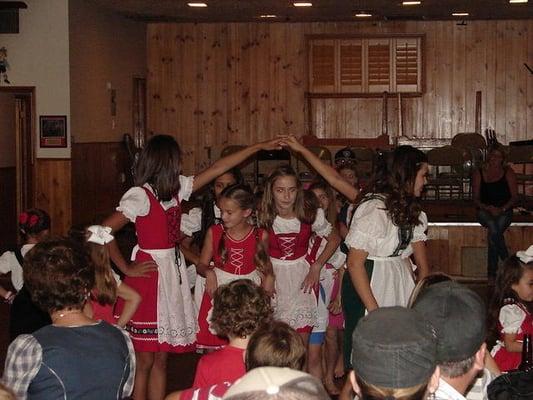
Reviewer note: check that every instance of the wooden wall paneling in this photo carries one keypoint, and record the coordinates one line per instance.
(457, 233)
(53, 191)
(220, 48)
(501, 52)
(488, 96)
(522, 77)
(529, 90)
(442, 54)
(350, 108)
(512, 32)
(188, 134)
(259, 81)
(295, 72)
(154, 33)
(278, 58)
(458, 80)
(475, 71)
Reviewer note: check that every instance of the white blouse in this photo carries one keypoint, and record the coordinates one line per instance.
(321, 226)
(373, 231)
(9, 263)
(192, 221)
(135, 202)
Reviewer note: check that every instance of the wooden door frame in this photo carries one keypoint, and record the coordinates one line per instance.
(27, 93)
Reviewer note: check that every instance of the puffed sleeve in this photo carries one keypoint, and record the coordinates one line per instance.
(23, 360)
(419, 232)
(6, 261)
(511, 318)
(368, 226)
(191, 222)
(135, 203)
(321, 226)
(186, 183)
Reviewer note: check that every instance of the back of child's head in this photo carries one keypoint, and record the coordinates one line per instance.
(268, 206)
(239, 308)
(35, 223)
(275, 345)
(94, 239)
(159, 164)
(58, 274)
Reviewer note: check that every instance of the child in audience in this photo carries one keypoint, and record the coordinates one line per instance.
(238, 251)
(239, 308)
(108, 285)
(283, 214)
(274, 344)
(165, 321)
(394, 356)
(24, 316)
(510, 315)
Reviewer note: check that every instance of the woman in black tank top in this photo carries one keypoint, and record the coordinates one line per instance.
(495, 191)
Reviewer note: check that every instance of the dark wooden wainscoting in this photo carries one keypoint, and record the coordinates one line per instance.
(100, 175)
(8, 208)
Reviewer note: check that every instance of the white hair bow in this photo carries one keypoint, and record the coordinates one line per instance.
(100, 234)
(525, 256)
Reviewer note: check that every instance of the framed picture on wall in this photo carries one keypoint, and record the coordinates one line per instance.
(53, 130)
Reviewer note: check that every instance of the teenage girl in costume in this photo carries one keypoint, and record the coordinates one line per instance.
(510, 315)
(166, 319)
(238, 250)
(283, 215)
(24, 315)
(108, 286)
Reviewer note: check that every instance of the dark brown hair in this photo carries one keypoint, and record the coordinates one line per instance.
(159, 165)
(394, 177)
(239, 308)
(311, 206)
(59, 274)
(275, 345)
(268, 209)
(508, 275)
(32, 222)
(243, 196)
(331, 212)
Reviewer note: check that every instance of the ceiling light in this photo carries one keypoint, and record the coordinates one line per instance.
(301, 4)
(197, 4)
(268, 16)
(517, 1)
(411, 3)
(363, 15)
(460, 14)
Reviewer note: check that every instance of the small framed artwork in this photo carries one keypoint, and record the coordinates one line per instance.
(53, 130)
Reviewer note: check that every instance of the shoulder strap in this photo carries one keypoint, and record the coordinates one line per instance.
(18, 255)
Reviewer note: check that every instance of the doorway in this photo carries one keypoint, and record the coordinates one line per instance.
(16, 159)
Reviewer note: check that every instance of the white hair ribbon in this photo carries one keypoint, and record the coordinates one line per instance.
(526, 256)
(100, 234)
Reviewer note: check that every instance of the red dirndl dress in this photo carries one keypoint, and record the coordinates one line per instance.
(239, 265)
(165, 320)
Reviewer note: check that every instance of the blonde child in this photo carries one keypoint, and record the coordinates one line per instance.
(25, 316)
(238, 251)
(283, 215)
(509, 313)
(165, 321)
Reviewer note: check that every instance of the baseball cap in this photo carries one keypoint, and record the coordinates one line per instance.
(344, 156)
(274, 383)
(458, 315)
(394, 347)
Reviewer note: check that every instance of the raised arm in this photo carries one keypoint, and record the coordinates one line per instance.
(222, 165)
(326, 171)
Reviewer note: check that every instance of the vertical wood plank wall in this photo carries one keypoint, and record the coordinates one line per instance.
(212, 85)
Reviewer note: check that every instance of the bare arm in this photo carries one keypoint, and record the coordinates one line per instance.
(116, 222)
(326, 171)
(206, 255)
(513, 188)
(421, 258)
(359, 277)
(222, 165)
(511, 344)
(312, 278)
(476, 187)
(132, 299)
(190, 254)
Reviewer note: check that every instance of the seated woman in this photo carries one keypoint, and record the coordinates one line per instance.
(75, 357)
(495, 191)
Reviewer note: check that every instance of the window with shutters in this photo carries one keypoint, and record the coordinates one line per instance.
(365, 65)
